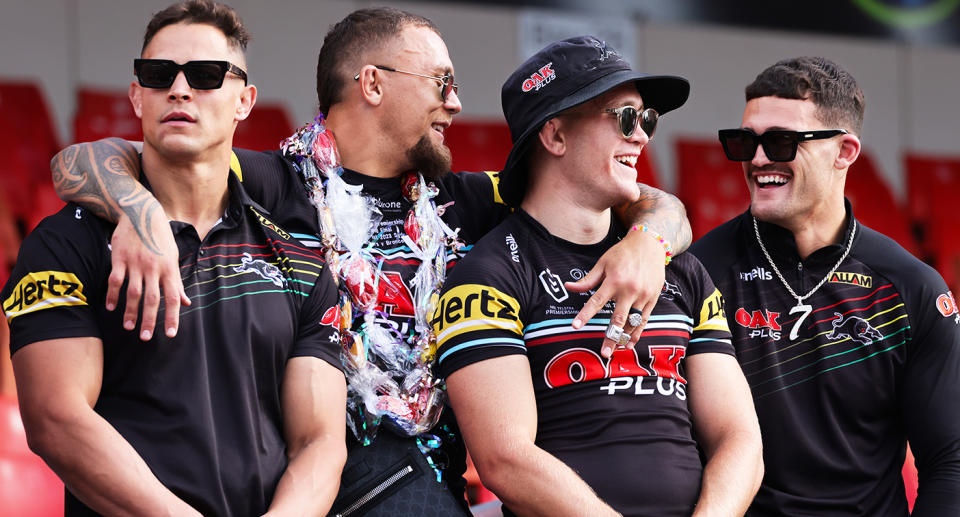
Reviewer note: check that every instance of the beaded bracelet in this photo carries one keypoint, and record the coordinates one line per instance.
(666, 245)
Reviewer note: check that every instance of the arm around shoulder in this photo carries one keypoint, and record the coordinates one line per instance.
(102, 177)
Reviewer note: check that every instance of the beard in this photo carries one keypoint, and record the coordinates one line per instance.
(433, 161)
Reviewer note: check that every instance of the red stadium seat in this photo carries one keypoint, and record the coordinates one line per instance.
(105, 113)
(267, 125)
(478, 146)
(27, 485)
(645, 170)
(933, 184)
(34, 140)
(711, 187)
(9, 234)
(874, 204)
(44, 203)
(16, 176)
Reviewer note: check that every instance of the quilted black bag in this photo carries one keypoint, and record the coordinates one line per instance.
(391, 477)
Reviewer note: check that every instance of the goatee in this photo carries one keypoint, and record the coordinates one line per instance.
(433, 161)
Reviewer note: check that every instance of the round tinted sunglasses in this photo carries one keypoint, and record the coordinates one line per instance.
(628, 118)
(444, 82)
(201, 75)
(740, 145)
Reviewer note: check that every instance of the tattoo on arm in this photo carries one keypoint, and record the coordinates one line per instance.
(661, 212)
(102, 177)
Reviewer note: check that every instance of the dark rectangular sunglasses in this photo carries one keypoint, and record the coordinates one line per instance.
(740, 145)
(201, 75)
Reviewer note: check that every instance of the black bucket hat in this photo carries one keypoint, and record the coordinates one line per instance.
(563, 75)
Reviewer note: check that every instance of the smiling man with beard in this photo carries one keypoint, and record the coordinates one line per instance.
(852, 346)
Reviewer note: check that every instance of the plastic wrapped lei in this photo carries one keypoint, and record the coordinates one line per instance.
(389, 376)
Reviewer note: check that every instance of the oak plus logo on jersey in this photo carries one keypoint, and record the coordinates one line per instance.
(757, 273)
(512, 245)
(540, 78)
(947, 305)
(44, 290)
(762, 323)
(472, 307)
(625, 373)
(841, 277)
(553, 285)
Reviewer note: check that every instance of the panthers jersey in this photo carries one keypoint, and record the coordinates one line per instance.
(873, 359)
(202, 409)
(622, 423)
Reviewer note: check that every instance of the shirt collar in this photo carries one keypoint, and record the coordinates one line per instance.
(781, 244)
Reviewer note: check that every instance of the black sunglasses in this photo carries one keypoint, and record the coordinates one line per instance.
(629, 117)
(445, 81)
(201, 75)
(740, 145)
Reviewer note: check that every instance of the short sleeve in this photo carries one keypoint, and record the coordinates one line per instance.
(476, 205)
(318, 335)
(478, 315)
(59, 276)
(711, 332)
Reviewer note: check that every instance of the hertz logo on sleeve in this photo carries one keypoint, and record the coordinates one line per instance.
(44, 290)
(472, 307)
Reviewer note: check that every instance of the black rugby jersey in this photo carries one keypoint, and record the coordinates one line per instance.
(470, 200)
(623, 424)
(202, 409)
(472, 206)
(839, 389)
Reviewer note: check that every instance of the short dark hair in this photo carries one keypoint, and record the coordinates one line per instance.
(349, 39)
(207, 12)
(832, 89)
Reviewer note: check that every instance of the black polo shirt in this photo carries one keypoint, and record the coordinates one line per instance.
(203, 409)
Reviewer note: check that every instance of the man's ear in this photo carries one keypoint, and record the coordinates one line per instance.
(371, 88)
(849, 151)
(135, 94)
(248, 97)
(553, 138)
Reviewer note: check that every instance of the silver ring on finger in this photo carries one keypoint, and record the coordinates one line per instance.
(616, 334)
(635, 319)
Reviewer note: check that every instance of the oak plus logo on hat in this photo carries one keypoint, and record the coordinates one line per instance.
(576, 70)
(540, 78)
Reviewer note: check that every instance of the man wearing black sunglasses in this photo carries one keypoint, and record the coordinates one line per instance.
(851, 345)
(241, 413)
(555, 426)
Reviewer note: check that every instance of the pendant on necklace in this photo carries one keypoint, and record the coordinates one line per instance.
(806, 310)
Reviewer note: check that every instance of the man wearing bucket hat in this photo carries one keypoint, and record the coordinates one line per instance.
(564, 430)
